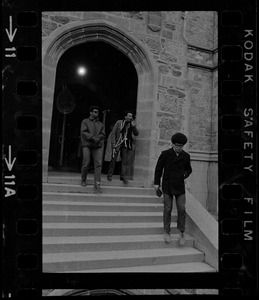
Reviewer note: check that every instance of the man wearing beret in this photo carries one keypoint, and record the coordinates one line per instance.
(175, 166)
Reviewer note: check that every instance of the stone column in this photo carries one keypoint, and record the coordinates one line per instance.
(48, 87)
(145, 144)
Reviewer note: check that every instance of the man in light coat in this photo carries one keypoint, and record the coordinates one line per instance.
(122, 140)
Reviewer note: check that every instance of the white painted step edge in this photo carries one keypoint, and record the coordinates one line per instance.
(107, 239)
(89, 193)
(106, 186)
(104, 225)
(119, 254)
(192, 267)
(101, 213)
(89, 203)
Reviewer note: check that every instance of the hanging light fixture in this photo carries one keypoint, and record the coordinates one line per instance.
(81, 71)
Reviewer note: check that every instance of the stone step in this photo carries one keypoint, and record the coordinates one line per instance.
(107, 189)
(101, 206)
(100, 216)
(120, 230)
(63, 262)
(109, 243)
(90, 196)
(188, 267)
(75, 179)
(100, 229)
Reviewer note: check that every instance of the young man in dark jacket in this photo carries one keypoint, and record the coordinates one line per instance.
(92, 136)
(122, 140)
(175, 166)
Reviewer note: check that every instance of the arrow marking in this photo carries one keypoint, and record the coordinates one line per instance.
(10, 33)
(10, 49)
(9, 162)
(10, 55)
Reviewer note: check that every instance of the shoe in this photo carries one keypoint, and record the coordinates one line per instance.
(182, 239)
(125, 180)
(167, 238)
(97, 188)
(83, 183)
(109, 178)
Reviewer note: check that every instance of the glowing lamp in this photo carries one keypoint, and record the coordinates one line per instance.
(81, 71)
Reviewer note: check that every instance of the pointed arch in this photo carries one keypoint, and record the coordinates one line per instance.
(75, 33)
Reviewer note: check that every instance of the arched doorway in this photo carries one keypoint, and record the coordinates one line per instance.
(80, 32)
(110, 82)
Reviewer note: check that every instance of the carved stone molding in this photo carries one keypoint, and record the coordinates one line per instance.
(104, 33)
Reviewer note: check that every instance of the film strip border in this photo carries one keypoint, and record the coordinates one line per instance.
(21, 152)
(237, 151)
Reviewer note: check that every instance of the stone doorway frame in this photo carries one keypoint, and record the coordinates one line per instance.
(78, 32)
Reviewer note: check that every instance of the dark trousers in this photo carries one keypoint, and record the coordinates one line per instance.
(181, 213)
(126, 159)
(97, 156)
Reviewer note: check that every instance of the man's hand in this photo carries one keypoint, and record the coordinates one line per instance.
(187, 185)
(96, 139)
(158, 191)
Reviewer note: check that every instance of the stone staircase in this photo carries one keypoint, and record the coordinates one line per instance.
(118, 231)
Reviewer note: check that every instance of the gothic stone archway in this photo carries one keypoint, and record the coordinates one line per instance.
(76, 33)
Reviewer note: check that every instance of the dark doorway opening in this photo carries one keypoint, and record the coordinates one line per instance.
(110, 82)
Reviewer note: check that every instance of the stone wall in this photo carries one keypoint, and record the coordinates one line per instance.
(200, 28)
(200, 113)
(183, 46)
(203, 183)
(172, 38)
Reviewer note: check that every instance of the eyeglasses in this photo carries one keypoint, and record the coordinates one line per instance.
(178, 145)
(95, 111)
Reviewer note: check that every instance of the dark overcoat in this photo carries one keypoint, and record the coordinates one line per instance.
(174, 169)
